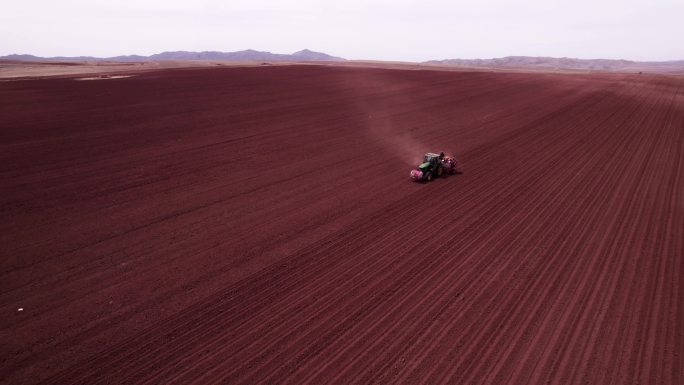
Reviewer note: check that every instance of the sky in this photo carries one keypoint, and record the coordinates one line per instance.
(396, 30)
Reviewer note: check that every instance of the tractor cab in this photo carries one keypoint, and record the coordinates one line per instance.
(431, 158)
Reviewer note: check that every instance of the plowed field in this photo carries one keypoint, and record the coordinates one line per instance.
(257, 225)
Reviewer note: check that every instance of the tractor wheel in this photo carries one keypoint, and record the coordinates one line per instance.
(439, 171)
(428, 176)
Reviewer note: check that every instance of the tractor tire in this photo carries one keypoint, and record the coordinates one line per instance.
(428, 176)
(439, 171)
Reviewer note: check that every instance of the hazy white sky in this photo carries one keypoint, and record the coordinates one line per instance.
(355, 29)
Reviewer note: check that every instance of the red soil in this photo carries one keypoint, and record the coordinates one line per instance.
(257, 225)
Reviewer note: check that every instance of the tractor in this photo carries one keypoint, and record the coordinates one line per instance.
(434, 165)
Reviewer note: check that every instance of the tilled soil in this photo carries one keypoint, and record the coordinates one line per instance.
(258, 225)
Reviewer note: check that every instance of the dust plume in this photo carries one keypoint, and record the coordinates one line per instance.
(384, 125)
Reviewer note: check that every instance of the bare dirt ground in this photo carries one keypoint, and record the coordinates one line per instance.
(257, 225)
(18, 70)
(22, 70)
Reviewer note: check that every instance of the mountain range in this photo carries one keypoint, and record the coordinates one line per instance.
(562, 63)
(529, 62)
(246, 55)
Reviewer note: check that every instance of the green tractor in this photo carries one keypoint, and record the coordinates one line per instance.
(431, 167)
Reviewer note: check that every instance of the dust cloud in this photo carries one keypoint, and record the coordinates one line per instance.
(379, 115)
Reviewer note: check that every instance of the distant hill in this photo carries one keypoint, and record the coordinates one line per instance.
(246, 55)
(511, 62)
(562, 63)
